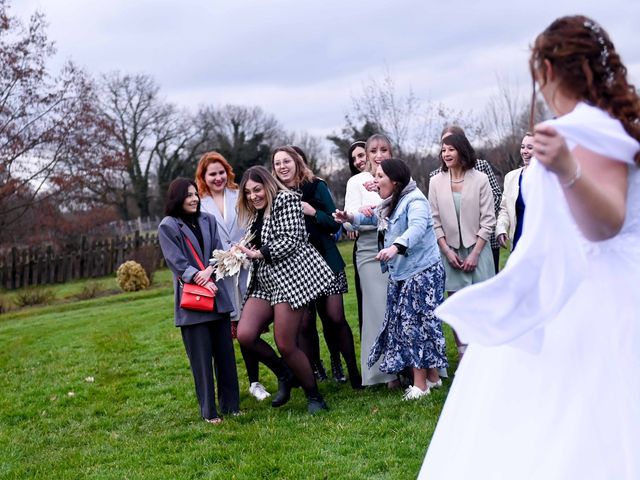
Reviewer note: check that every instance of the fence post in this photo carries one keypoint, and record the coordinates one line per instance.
(14, 267)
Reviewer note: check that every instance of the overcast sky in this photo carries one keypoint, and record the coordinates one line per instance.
(304, 60)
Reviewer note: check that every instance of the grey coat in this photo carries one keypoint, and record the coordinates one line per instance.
(182, 263)
(230, 232)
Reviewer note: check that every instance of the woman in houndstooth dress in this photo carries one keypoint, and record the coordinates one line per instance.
(287, 274)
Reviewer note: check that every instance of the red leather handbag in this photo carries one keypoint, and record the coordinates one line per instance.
(195, 297)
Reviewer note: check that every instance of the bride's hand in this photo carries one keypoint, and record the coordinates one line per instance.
(551, 150)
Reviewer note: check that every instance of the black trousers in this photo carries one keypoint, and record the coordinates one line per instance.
(496, 258)
(208, 344)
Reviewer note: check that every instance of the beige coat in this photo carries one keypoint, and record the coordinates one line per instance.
(477, 215)
(507, 214)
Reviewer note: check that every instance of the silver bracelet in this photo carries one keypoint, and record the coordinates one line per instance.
(575, 178)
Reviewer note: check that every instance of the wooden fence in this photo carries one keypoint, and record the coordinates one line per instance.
(42, 266)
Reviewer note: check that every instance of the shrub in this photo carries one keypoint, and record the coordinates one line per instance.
(131, 277)
(89, 290)
(147, 256)
(5, 304)
(34, 296)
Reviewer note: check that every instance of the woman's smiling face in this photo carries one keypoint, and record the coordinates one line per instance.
(215, 177)
(526, 149)
(377, 151)
(285, 168)
(359, 158)
(255, 194)
(191, 201)
(450, 156)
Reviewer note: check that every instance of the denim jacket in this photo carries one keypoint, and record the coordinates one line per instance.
(410, 225)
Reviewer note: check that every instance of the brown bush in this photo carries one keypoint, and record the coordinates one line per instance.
(131, 277)
(34, 296)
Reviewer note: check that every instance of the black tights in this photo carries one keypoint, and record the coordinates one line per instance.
(309, 340)
(256, 315)
(251, 363)
(331, 312)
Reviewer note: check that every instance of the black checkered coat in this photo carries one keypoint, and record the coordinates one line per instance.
(292, 270)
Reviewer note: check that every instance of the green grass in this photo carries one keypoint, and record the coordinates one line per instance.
(139, 417)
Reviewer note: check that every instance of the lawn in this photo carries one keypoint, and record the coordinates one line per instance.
(101, 388)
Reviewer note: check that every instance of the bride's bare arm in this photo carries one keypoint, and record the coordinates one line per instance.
(595, 186)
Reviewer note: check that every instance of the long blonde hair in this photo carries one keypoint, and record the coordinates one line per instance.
(271, 185)
(369, 167)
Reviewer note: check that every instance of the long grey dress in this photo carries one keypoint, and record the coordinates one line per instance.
(374, 296)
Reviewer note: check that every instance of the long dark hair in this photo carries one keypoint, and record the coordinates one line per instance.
(177, 192)
(358, 143)
(398, 172)
(587, 65)
(465, 151)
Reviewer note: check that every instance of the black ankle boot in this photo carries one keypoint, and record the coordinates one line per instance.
(285, 384)
(315, 402)
(336, 370)
(318, 371)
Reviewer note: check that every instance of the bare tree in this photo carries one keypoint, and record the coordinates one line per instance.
(36, 110)
(243, 135)
(179, 142)
(312, 148)
(144, 125)
(507, 116)
(381, 104)
(411, 123)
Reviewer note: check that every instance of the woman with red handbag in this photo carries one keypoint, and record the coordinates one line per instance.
(202, 307)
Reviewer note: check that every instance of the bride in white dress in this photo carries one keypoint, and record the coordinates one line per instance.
(560, 325)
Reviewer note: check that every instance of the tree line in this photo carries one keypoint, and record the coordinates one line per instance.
(78, 152)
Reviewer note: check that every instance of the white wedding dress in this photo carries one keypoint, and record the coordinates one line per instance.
(549, 387)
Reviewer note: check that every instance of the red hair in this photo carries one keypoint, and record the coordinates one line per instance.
(588, 66)
(207, 159)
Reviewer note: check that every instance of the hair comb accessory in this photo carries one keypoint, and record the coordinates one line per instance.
(604, 50)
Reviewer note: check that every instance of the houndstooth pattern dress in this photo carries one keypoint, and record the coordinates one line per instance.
(293, 272)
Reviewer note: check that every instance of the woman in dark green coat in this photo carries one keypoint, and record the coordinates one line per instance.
(318, 207)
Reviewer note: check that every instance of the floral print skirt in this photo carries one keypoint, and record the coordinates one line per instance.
(411, 334)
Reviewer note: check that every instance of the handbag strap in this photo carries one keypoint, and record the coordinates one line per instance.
(193, 250)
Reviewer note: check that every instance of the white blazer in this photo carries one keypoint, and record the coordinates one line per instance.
(507, 213)
(230, 232)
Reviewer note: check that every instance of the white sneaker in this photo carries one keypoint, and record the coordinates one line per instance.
(437, 384)
(414, 393)
(258, 391)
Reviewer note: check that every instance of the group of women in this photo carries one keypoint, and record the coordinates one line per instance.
(539, 324)
(408, 252)
(296, 270)
(406, 245)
